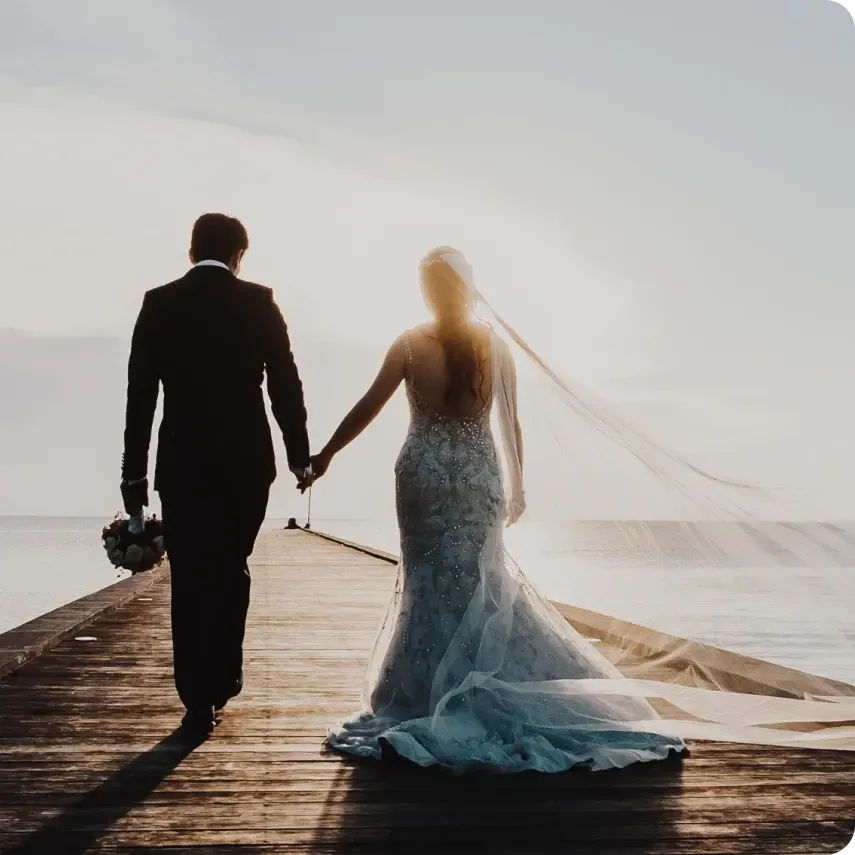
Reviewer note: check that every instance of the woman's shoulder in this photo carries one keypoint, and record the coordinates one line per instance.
(426, 334)
(404, 344)
(429, 329)
(408, 336)
(412, 336)
(424, 329)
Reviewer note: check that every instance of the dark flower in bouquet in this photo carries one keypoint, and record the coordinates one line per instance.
(136, 551)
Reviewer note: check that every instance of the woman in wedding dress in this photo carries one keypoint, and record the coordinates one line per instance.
(473, 668)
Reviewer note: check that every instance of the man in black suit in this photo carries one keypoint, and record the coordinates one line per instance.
(209, 338)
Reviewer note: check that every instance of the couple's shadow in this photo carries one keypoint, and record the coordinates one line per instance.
(81, 824)
(394, 807)
(391, 806)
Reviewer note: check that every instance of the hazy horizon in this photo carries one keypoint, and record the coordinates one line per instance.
(659, 195)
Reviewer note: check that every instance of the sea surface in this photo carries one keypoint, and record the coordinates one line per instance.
(789, 611)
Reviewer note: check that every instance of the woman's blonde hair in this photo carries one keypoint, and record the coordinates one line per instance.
(451, 299)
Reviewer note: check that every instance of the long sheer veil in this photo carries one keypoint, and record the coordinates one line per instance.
(699, 524)
(711, 524)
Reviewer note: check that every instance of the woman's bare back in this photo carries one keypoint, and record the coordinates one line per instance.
(429, 378)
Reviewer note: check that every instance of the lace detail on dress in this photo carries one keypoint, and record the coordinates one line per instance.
(466, 631)
(448, 496)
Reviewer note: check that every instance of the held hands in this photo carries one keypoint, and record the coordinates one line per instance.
(305, 478)
(320, 464)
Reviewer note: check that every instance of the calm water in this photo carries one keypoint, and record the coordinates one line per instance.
(793, 615)
(46, 562)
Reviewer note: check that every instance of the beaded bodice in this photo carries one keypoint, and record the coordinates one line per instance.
(448, 477)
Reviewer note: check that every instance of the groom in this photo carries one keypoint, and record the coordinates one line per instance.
(209, 338)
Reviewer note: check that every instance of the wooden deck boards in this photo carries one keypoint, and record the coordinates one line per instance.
(89, 761)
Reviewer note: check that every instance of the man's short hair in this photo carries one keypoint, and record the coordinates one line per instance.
(218, 237)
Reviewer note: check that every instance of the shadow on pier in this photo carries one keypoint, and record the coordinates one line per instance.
(79, 826)
(394, 807)
(85, 766)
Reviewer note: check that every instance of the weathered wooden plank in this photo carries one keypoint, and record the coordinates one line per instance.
(736, 837)
(87, 763)
(35, 637)
(224, 808)
(394, 845)
(29, 785)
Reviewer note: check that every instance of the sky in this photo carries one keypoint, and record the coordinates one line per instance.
(659, 195)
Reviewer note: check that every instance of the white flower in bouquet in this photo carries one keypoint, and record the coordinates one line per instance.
(110, 544)
(117, 557)
(133, 554)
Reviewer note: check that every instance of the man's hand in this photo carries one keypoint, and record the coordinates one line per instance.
(135, 496)
(305, 477)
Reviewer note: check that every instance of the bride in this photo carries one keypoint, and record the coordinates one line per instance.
(473, 668)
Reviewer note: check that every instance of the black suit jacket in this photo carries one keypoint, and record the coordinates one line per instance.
(209, 338)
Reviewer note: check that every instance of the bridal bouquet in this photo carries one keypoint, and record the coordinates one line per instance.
(134, 550)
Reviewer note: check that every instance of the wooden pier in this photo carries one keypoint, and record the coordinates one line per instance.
(89, 760)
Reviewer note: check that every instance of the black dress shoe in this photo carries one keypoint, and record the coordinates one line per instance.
(199, 721)
(221, 701)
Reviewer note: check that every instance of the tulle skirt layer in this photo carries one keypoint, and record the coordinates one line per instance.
(472, 667)
(466, 741)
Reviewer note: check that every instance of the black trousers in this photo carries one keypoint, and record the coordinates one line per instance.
(209, 532)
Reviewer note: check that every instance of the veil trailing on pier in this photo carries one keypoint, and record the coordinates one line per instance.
(514, 653)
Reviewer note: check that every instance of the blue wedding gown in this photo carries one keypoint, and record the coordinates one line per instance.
(473, 668)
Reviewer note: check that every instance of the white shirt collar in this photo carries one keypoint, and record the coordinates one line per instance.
(209, 262)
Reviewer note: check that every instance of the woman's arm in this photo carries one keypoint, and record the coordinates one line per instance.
(511, 368)
(509, 424)
(367, 408)
(517, 426)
